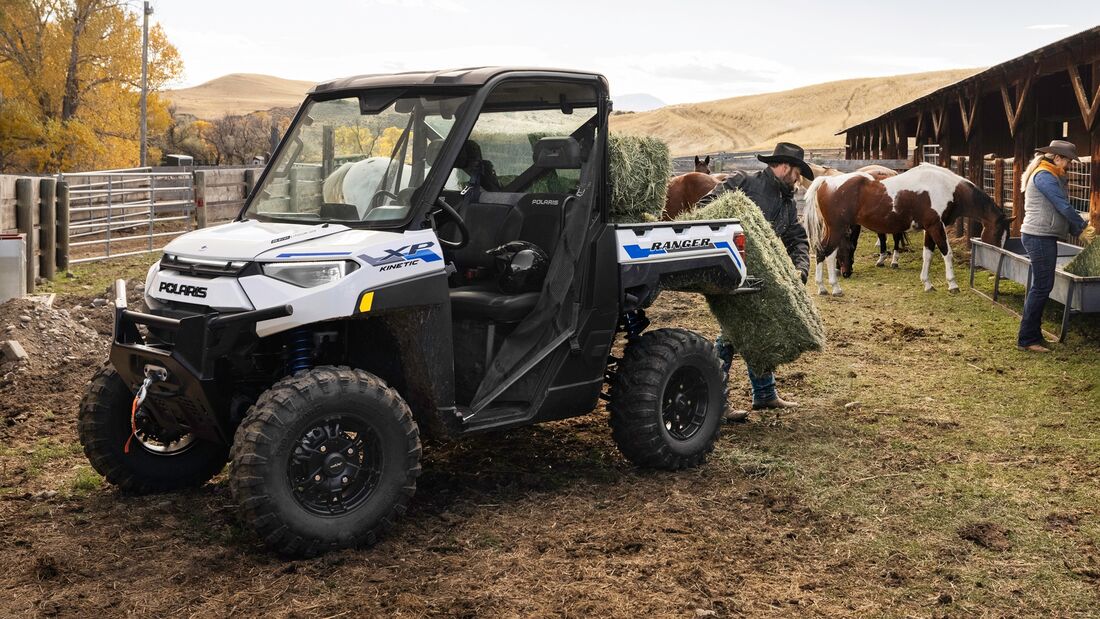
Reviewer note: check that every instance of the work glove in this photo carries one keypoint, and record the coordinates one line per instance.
(1088, 235)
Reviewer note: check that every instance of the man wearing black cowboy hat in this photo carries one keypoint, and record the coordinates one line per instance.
(771, 189)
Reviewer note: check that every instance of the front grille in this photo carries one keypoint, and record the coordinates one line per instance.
(204, 268)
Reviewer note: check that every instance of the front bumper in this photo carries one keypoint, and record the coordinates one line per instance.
(190, 399)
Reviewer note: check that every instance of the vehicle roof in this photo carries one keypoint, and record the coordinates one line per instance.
(472, 76)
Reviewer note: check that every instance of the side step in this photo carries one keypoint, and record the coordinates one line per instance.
(492, 418)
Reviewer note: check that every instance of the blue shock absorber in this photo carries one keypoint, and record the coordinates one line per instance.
(634, 323)
(300, 350)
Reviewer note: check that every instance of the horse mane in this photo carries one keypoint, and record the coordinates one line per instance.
(332, 191)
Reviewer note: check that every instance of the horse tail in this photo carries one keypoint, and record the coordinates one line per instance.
(333, 188)
(815, 222)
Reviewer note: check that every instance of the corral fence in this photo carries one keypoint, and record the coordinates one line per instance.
(746, 160)
(126, 212)
(80, 217)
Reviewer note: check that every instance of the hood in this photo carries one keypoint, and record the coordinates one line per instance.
(245, 240)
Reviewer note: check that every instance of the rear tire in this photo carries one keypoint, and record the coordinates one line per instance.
(104, 427)
(326, 459)
(668, 400)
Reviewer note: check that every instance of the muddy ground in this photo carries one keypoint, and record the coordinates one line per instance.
(932, 471)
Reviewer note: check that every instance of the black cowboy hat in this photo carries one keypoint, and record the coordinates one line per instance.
(785, 152)
(1060, 147)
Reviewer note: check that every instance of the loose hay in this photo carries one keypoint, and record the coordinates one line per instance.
(640, 169)
(1086, 263)
(778, 324)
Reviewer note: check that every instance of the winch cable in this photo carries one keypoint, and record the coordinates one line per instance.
(150, 378)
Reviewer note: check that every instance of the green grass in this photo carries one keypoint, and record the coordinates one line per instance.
(85, 481)
(955, 426)
(96, 278)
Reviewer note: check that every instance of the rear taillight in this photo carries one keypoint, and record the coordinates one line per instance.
(739, 241)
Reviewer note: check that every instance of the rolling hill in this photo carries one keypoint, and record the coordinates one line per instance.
(808, 116)
(238, 93)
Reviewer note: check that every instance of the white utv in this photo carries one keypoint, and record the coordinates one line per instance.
(425, 254)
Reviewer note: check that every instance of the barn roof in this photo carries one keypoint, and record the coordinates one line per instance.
(994, 75)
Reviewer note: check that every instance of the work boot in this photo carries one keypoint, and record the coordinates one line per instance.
(776, 402)
(1034, 348)
(739, 416)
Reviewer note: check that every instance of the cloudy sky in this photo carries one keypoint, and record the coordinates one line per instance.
(678, 51)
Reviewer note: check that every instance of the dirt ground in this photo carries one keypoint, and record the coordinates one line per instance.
(932, 471)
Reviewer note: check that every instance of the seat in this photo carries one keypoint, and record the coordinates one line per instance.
(537, 218)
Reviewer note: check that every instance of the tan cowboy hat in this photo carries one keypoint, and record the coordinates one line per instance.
(785, 152)
(1060, 147)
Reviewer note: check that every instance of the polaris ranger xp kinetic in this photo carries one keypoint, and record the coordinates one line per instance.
(425, 254)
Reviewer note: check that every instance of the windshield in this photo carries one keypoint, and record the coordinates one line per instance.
(356, 159)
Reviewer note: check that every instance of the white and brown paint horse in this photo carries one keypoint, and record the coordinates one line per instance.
(926, 197)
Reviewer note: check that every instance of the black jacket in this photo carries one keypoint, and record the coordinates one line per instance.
(776, 201)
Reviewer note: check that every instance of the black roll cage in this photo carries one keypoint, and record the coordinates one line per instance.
(467, 116)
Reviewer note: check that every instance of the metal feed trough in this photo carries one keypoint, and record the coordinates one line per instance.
(1079, 295)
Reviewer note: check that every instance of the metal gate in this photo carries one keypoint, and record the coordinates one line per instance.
(117, 213)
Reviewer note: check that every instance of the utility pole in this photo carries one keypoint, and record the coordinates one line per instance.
(144, 79)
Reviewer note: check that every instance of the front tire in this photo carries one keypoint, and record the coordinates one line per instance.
(153, 464)
(668, 400)
(326, 459)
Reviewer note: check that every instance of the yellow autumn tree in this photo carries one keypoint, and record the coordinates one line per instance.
(70, 79)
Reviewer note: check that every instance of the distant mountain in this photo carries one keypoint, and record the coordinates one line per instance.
(238, 93)
(636, 102)
(808, 116)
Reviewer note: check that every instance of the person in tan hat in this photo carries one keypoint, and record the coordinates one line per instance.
(1048, 216)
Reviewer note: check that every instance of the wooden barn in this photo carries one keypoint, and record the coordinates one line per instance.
(987, 126)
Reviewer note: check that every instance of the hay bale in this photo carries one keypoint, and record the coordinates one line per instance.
(778, 324)
(1086, 263)
(639, 168)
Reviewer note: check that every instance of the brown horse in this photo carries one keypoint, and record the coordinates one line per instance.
(926, 197)
(685, 190)
(702, 165)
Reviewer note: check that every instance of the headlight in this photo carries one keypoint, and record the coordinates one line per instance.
(309, 274)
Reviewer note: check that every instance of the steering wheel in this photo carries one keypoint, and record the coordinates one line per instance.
(452, 214)
(381, 192)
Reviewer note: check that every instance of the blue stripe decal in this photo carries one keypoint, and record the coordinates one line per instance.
(425, 255)
(733, 252)
(637, 251)
(314, 253)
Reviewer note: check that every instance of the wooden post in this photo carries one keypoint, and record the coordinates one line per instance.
(890, 150)
(328, 150)
(24, 220)
(63, 226)
(999, 183)
(1022, 150)
(249, 181)
(200, 198)
(1094, 167)
(47, 226)
(1094, 175)
(977, 161)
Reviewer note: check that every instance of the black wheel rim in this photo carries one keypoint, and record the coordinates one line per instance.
(684, 403)
(335, 466)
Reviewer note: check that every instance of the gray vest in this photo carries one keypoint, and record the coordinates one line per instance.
(1040, 216)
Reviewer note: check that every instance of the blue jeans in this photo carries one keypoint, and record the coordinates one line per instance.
(763, 385)
(1043, 253)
